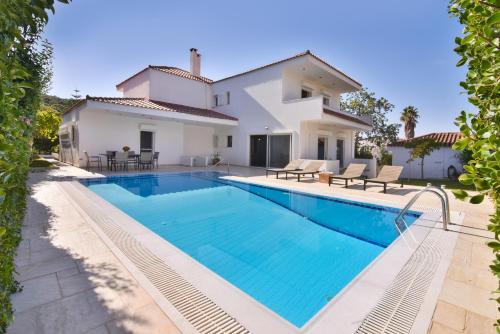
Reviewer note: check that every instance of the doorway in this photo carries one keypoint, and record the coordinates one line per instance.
(258, 150)
(146, 143)
(340, 152)
(279, 150)
(322, 148)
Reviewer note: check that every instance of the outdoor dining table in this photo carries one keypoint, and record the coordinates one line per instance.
(111, 156)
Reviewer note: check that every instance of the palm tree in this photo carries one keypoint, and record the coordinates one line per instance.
(409, 117)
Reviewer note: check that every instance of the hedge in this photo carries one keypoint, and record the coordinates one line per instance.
(24, 74)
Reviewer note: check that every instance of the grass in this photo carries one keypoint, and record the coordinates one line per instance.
(450, 184)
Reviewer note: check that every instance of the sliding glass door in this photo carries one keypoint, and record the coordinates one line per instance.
(258, 150)
(270, 150)
(279, 150)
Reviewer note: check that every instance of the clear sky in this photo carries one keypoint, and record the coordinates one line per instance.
(401, 50)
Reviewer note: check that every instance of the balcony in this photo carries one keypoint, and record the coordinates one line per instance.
(312, 109)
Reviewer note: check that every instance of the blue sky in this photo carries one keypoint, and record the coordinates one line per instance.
(402, 50)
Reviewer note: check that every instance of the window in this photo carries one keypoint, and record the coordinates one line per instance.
(228, 97)
(216, 100)
(229, 141)
(305, 93)
(326, 100)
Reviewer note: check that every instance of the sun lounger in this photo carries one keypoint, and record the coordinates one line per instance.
(292, 166)
(387, 174)
(311, 168)
(353, 171)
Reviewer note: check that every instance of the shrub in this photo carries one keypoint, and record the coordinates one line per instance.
(25, 73)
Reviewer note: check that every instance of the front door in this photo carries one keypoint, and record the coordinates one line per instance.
(146, 144)
(258, 150)
(322, 148)
(340, 152)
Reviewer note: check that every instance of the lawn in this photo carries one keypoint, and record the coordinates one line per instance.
(450, 184)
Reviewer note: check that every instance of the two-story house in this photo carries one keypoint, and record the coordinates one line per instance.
(266, 116)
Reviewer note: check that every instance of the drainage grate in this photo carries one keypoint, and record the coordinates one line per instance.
(206, 316)
(398, 307)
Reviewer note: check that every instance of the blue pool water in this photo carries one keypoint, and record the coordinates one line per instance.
(292, 252)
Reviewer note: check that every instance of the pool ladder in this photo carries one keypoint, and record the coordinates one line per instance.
(445, 206)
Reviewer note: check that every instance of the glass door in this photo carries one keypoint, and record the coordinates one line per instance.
(340, 152)
(322, 148)
(146, 144)
(258, 150)
(279, 150)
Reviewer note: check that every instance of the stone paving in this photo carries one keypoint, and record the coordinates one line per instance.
(72, 282)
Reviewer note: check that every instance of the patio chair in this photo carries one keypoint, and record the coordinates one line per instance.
(387, 174)
(155, 159)
(121, 159)
(132, 158)
(145, 160)
(353, 171)
(93, 159)
(311, 168)
(292, 166)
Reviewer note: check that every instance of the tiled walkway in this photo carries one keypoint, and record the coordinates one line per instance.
(72, 283)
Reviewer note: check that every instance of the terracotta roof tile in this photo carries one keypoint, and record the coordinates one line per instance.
(180, 72)
(298, 55)
(444, 138)
(160, 105)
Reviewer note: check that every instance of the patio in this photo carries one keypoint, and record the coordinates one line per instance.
(73, 283)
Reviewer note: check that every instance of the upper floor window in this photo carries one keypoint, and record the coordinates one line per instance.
(229, 141)
(326, 100)
(306, 92)
(222, 99)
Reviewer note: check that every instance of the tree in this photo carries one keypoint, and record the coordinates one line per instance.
(364, 103)
(409, 117)
(420, 148)
(479, 49)
(76, 94)
(46, 127)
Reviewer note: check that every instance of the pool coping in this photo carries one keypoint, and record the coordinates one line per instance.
(361, 294)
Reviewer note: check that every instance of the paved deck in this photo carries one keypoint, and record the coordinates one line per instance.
(74, 284)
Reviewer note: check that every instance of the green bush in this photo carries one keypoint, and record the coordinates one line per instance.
(25, 73)
(41, 163)
(479, 49)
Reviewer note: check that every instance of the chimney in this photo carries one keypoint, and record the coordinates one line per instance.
(195, 62)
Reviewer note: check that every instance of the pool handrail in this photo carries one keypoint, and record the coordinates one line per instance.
(445, 204)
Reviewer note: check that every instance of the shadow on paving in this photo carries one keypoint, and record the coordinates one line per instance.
(63, 292)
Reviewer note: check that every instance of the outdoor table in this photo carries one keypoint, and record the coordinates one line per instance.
(109, 158)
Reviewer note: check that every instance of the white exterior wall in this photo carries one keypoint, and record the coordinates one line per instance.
(309, 142)
(102, 130)
(292, 87)
(137, 86)
(256, 99)
(198, 140)
(174, 89)
(435, 165)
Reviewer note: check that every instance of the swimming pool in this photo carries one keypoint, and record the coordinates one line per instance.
(293, 252)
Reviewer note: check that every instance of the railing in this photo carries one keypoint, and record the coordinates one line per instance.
(219, 163)
(445, 205)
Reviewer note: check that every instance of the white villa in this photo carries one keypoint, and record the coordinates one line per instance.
(266, 116)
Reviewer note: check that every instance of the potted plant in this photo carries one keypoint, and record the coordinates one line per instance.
(126, 148)
(216, 158)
